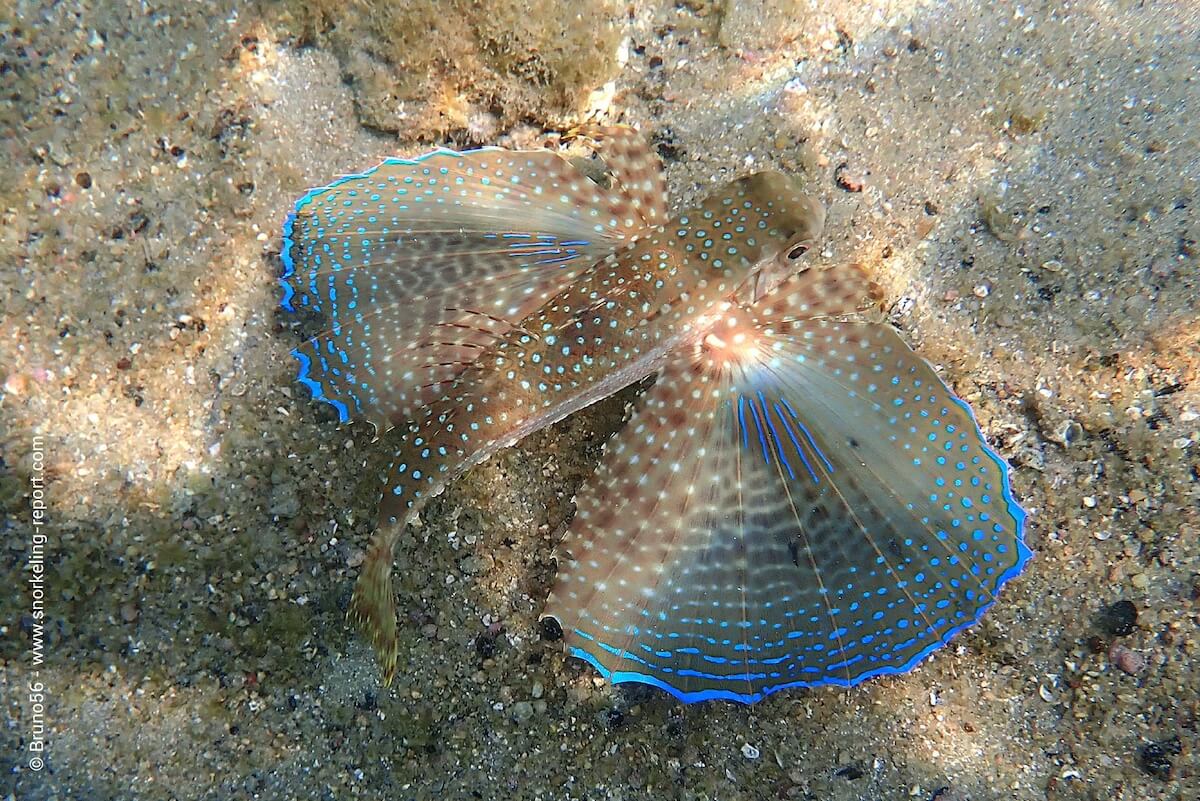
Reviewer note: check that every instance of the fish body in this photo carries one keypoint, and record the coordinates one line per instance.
(614, 326)
(738, 533)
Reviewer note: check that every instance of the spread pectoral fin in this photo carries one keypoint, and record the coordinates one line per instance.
(798, 501)
(417, 265)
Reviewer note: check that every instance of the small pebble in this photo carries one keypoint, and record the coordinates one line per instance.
(1070, 432)
(16, 384)
(551, 630)
(850, 772)
(750, 752)
(1119, 619)
(847, 180)
(1155, 758)
(1126, 659)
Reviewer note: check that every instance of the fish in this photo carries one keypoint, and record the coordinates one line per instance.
(798, 500)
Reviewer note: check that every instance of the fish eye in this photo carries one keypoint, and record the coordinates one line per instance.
(797, 251)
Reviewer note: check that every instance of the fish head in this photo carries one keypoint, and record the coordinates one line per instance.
(756, 229)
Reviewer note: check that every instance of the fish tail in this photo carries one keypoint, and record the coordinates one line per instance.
(373, 607)
(426, 457)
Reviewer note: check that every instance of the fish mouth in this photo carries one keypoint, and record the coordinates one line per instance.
(767, 278)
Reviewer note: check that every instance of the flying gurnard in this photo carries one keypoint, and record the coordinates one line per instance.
(798, 499)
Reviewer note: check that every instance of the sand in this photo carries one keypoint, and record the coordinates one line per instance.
(1028, 179)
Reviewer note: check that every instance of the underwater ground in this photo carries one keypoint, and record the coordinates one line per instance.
(1022, 178)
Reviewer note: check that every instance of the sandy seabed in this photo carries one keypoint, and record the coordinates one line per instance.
(1028, 178)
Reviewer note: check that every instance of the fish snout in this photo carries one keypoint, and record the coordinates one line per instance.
(806, 224)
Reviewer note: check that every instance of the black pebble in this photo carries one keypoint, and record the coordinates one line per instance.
(551, 630)
(665, 144)
(485, 645)
(1155, 758)
(1119, 619)
(675, 725)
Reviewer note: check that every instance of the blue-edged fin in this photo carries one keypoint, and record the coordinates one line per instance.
(798, 501)
(416, 265)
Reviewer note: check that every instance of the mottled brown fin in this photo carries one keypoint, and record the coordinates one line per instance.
(637, 172)
(373, 608)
